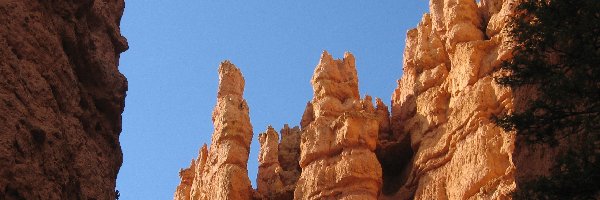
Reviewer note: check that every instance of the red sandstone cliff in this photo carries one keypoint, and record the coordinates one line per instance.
(61, 99)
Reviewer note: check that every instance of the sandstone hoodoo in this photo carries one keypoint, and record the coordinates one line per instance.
(439, 140)
(339, 138)
(278, 169)
(268, 181)
(61, 99)
(221, 171)
(62, 95)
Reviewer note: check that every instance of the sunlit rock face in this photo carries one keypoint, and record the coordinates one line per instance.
(220, 172)
(61, 99)
(339, 136)
(278, 169)
(442, 107)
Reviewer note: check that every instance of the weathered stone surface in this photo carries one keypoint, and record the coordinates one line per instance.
(339, 136)
(268, 181)
(278, 169)
(289, 158)
(443, 104)
(61, 99)
(221, 172)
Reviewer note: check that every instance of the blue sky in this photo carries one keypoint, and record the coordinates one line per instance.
(175, 48)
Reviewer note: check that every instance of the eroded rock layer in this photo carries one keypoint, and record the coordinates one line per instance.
(339, 136)
(61, 99)
(221, 171)
(444, 101)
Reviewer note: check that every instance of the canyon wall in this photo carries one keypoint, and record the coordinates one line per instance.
(61, 99)
(444, 102)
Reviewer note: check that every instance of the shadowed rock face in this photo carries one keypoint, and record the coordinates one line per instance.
(61, 98)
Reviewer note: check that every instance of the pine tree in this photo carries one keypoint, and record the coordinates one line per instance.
(556, 70)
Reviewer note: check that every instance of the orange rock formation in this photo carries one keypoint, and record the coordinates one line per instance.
(339, 136)
(221, 171)
(278, 169)
(268, 181)
(438, 142)
(444, 101)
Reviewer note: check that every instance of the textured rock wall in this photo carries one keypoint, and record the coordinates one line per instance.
(278, 169)
(444, 101)
(61, 98)
(268, 181)
(221, 171)
(289, 157)
(339, 137)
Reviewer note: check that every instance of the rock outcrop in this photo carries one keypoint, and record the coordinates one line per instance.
(221, 171)
(289, 157)
(278, 169)
(268, 181)
(61, 99)
(339, 137)
(442, 107)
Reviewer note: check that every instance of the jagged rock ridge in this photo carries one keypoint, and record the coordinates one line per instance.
(61, 99)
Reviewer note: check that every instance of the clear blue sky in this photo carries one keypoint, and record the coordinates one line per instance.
(176, 46)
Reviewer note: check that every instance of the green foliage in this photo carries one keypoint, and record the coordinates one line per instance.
(556, 69)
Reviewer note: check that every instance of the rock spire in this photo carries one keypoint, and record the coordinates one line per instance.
(338, 140)
(221, 171)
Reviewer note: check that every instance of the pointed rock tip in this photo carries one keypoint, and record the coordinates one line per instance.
(326, 55)
(231, 80)
(227, 66)
(348, 54)
(379, 101)
(203, 148)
